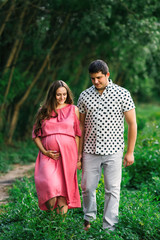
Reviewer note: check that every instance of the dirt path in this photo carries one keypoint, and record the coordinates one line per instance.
(7, 179)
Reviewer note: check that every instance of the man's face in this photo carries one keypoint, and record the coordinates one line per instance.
(99, 80)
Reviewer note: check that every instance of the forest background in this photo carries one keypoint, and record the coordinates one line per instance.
(45, 40)
(42, 41)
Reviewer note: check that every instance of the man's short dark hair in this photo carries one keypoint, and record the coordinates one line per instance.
(98, 66)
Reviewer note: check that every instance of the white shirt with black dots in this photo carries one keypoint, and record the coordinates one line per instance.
(104, 122)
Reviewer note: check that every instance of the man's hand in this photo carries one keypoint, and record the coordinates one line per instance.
(128, 159)
(80, 157)
(79, 165)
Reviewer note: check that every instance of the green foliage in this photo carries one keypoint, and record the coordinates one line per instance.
(126, 34)
(139, 215)
(147, 150)
(21, 153)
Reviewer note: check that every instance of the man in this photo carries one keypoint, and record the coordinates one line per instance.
(103, 108)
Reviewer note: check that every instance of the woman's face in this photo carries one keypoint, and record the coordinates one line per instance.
(61, 95)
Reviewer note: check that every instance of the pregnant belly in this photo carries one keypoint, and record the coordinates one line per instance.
(50, 143)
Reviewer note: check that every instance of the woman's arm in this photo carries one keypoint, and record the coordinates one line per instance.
(77, 139)
(49, 153)
(82, 121)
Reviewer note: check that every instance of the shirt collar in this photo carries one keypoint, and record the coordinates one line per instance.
(110, 84)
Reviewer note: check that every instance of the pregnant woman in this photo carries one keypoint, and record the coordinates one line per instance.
(56, 133)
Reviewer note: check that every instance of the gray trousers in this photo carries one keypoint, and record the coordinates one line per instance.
(91, 174)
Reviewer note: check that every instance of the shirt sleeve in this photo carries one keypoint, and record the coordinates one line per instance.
(80, 104)
(38, 134)
(127, 103)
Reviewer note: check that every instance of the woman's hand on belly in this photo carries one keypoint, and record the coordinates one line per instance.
(52, 154)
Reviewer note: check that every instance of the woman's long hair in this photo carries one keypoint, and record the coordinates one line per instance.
(50, 103)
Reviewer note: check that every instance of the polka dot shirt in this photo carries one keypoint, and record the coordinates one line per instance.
(104, 122)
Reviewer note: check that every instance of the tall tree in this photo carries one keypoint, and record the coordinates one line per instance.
(42, 39)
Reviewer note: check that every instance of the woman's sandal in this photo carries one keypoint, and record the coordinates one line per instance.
(87, 225)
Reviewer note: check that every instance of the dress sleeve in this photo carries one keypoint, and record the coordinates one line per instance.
(77, 126)
(34, 135)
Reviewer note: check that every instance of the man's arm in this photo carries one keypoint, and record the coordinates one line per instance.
(82, 121)
(130, 118)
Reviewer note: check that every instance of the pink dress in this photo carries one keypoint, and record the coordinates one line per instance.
(58, 177)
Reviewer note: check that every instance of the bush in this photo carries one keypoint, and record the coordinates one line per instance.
(22, 153)
(139, 215)
(147, 156)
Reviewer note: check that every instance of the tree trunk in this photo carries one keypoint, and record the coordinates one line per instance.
(3, 4)
(7, 17)
(22, 100)
(42, 88)
(13, 57)
(13, 123)
(32, 113)
(12, 71)
(8, 118)
(28, 68)
(41, 92)
(16, 43)
(9, 84)
(14, 63)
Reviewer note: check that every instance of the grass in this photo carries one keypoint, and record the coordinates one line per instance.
(138, 219)
(139, 214)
